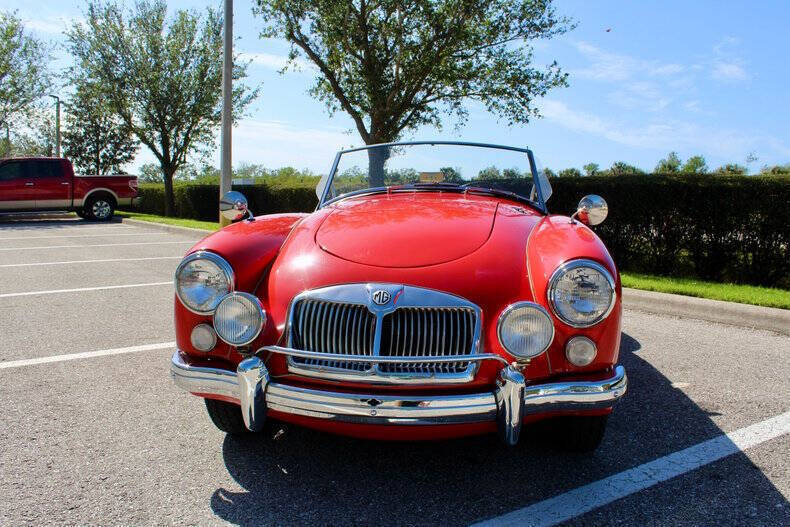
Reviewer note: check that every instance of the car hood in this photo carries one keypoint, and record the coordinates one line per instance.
(406, 231)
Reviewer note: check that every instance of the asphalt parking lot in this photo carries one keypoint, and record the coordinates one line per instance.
(108, 439)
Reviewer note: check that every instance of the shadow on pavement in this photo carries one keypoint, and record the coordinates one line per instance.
(48, 220)
(310, 477)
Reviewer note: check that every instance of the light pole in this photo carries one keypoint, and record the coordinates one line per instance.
(57, 125)
(227, 95)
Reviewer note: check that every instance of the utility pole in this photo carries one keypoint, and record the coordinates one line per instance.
(226, 178)
(57, 125)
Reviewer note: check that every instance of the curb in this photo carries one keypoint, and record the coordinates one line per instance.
(189, 232)
(743, 315)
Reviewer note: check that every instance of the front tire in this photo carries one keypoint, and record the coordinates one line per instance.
(580, 433)
(226, 416)
(82, 214)
(100, 208)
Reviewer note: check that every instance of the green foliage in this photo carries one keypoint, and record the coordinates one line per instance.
(669, 165)
(201, 201)
(452, 175)
(397, 65)
(591, 169)
(776, 170)
(620, 168)
(24, 74)
(731, 169)
(161, 76)
(570, 172)
(695, 165)
(95, 139)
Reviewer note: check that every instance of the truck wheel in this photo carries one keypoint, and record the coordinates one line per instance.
(226, 416)
(100, 208)
(580, 434)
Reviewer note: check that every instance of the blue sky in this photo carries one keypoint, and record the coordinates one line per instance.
(701, 77)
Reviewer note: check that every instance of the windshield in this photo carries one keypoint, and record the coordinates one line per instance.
(441, 165)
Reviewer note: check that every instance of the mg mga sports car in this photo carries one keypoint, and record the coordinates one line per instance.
(420, 300)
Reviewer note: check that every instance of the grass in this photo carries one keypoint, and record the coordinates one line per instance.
(743, 294)
(181, 222)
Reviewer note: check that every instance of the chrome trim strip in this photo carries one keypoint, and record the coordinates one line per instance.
(572, 264)
(372, 359)
(508, 404)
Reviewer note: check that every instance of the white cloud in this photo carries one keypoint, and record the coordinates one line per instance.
(51, 25)
(608, 66)
(665, 135)
(729, 71)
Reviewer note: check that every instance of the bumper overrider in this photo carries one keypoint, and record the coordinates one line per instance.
(508, 404)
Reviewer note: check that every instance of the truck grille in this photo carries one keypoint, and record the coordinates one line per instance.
(443, 325)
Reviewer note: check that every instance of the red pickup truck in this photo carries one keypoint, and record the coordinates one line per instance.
(46, 183)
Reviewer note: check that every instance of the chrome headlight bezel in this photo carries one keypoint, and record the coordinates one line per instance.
(259, 311)
(575, 264)
(503, 317)
(215, 259)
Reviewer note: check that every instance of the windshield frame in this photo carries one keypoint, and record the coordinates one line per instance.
(540, 204)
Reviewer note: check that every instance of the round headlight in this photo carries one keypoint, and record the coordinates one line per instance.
(203, 337)
(239, 318)
(525, 330)
(581, 293)
(202, 279)
(580, 351)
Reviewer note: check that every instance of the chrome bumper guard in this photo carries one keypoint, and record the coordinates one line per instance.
(508, 404)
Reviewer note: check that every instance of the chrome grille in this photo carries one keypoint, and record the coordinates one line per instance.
(429, 332)
(352, 319)
(333, 328)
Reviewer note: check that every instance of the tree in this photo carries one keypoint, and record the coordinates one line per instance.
(549, 173)
(591, 169)
(731, 169)
(669, 165)
(162, 78)
(621, 168)
(570, 172)
(451, 175)
(95, 139)
(24, 74)
(396, 65)
(776, 170)
(695, 165)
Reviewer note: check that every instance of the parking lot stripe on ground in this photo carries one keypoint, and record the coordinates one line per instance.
(81, 289)
(145, 233)
(191, 242)
(85, 355)
(589, 497)
(67, 262)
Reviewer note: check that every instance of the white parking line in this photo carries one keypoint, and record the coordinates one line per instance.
(93, 261)
(85, 355)
(80, 289)
(145, 233)
(589, 497)
(191, 242)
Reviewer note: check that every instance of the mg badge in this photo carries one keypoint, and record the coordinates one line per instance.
(381, 297)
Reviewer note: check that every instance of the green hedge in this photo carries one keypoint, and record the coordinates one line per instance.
(722, 228)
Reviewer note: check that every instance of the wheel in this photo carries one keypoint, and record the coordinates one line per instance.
(82, 214)
(226, 416)
(100, 208)
(580, 434)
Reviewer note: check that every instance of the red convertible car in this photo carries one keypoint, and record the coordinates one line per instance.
(420, 300)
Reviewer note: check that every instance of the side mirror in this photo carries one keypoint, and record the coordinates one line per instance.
(233, 206)
(592, 210)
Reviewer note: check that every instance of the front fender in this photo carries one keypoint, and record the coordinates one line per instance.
(249, 247)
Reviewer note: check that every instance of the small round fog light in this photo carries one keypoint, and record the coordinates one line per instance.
(203, 337)
(580, 351)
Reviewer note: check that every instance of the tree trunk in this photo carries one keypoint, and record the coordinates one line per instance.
(377, 157)
(170, 202)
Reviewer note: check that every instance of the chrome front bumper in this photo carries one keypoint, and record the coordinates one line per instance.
(508, 404)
